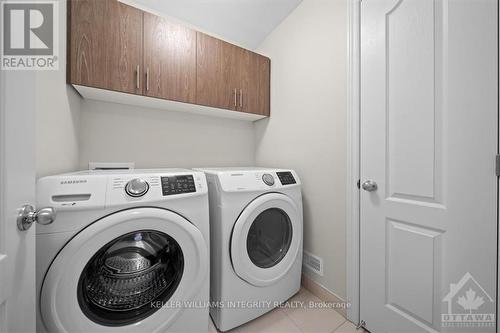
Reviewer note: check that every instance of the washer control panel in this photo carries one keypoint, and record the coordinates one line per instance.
(286, 177)
(155, 186)
(177, 184)
(137, 187)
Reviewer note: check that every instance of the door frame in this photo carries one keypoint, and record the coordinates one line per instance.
(3, 246)
(353, 159)
(353, 163)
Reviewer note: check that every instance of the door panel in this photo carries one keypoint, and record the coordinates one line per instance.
(217, 81)
(248, 85)
(429, 139)
(169, 60)
(408, 241)
(254, 83)
(106, 45)
(264, 95)
(413, 101)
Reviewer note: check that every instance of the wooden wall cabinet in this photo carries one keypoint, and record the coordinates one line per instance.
(231, 77)
(255, 83)
(217, 69)
(105, 45)
(169, 60)
(113, 46)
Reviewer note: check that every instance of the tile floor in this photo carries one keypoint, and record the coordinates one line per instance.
(298, 320)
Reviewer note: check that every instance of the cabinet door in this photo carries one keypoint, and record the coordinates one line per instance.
(217, 81)
(254, 82)
(105, 48)
(169, 60)
(264, 106)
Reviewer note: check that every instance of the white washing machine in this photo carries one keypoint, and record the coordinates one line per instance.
(256, 241)
(128, 252)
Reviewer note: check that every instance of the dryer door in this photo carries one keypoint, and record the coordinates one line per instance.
(266, 239)
(129, 271)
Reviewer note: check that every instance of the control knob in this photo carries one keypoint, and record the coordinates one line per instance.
(268, 179)
(137, 187)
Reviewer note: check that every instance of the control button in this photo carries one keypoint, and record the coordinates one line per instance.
(137, 187)
(268, 179)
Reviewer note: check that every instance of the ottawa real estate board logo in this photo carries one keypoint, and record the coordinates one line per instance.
(469, 307)
(29, 37)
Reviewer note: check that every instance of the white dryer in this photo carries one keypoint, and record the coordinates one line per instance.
(256, 241)
(128, 252)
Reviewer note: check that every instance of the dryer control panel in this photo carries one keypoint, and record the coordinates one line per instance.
(257, 180)
(286, 177)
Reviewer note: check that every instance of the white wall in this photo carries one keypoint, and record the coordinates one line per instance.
(243, 22)
(307, 127)
(159, 138)
(58, 108)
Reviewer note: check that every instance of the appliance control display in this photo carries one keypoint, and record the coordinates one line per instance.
(177, 184)
(286, 178)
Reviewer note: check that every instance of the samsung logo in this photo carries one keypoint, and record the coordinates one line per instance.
(78, 181)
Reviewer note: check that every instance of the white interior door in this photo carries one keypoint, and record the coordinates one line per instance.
(429, 80)
(17, 188)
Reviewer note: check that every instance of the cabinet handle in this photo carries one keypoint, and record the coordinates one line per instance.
(235, 98)
(147, 79)
(241, 98)
(138, 77)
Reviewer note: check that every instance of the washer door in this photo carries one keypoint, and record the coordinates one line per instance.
(266, 239)
(130, 271)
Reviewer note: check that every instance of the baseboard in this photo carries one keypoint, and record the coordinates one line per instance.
(323, 294)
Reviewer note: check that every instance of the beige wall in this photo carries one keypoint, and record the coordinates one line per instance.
(307, 129)
(58, 109)
(160, 138)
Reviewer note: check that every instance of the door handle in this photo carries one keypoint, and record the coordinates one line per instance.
(241, 98)
(235, 98)
(147, 79)
(28, 215)
(369, 185)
